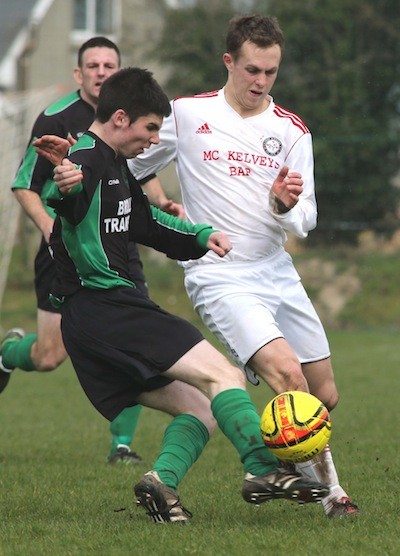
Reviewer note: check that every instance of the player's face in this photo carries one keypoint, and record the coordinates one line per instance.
(135, 137)
(251, 77)
(98, 63)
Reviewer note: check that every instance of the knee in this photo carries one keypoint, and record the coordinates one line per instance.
(287, 375)
(292, 378)
(328, 395)
(49, 360)
(46, 366)
(331, 401)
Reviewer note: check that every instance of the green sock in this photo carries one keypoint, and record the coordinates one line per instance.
(17, 353)
(238, 419)
(124, 426)
(184, 440)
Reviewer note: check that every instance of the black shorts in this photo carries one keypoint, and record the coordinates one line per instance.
(120, 342)
(45, 273)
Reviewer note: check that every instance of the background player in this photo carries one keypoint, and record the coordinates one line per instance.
(98, 58)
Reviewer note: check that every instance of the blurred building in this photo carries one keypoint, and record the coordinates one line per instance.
(39, 38)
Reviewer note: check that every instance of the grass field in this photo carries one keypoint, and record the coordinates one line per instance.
(59, 497)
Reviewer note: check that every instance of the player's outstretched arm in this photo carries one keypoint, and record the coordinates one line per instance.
(220, 243)
(171, 207)
(34, 208)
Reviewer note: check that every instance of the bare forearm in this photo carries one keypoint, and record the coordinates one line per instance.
(33, 207)
(157, 197)
(155, 192)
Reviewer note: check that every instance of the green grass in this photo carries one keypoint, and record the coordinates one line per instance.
(58, 495)
(378, 302)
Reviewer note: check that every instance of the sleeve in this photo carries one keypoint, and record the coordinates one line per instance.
(157, 157)
(36, 171)
(74, 206)
(67, 280)
(302, 218)
(144, 180)
(155, 228)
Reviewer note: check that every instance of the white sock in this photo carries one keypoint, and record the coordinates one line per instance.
(3, 367)
(323, 469)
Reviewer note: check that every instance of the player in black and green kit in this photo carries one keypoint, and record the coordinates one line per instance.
(125, 349)
(98, 58)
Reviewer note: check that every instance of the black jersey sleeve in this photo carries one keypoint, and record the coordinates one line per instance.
(34, 170)
(74, 206)
(67, 281)
(172, 236)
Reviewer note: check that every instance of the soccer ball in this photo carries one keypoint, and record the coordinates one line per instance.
(295, 426)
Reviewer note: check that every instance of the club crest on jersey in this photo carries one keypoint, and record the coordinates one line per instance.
(272, 146)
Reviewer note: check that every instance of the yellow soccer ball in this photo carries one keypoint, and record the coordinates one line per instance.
(295, 426)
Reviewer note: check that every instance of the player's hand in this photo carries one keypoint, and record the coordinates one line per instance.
(67, 176)
(287, 187)
(173, 208)
(71, 140)
(52, 147)
(220, 243)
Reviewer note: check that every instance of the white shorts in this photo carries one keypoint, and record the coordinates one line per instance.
(248, 304)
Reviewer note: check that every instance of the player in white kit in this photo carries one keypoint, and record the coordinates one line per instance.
(246, 166)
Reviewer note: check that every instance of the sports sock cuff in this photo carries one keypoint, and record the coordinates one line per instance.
(228, 401)
(184, 440)
(238, 419)
(123, 427)
(18, 354)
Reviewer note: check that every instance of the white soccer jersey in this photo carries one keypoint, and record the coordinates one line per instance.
(226, 165)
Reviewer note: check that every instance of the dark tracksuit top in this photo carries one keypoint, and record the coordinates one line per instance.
(69, 114)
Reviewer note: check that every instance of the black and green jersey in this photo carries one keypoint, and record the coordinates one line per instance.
(98, 219)
(70, 114)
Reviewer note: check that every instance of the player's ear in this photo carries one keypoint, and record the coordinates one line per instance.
(227, 59)
(78, 75)
(120, 117)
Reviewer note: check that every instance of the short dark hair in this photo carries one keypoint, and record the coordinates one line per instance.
(261, 30)
(133, 90)
(96, 42)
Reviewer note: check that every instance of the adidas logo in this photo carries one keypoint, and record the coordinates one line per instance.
(205, 128)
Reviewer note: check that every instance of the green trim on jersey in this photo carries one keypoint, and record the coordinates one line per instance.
(61, 104)
(84, 246)
(201, 231)
(85, 142)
